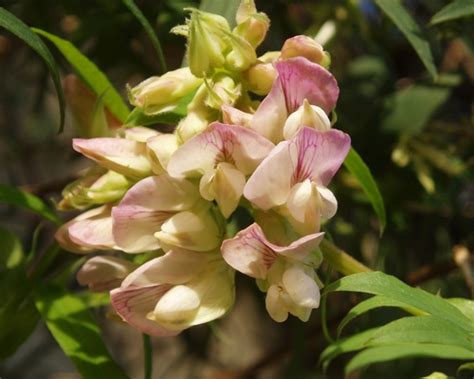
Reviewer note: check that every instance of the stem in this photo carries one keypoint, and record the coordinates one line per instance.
(340, 260)
(148, 356)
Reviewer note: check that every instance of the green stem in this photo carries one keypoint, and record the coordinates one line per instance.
(340, 260)
(148, 356)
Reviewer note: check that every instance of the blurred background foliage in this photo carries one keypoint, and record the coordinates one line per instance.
(416, 134)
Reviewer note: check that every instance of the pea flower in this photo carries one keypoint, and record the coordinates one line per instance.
(88, 232)
(293, 178)
(175, 291)
(103, 273)
(162, 211)
(286, 273)
(160, 94)
(304, 46)
(221, 157)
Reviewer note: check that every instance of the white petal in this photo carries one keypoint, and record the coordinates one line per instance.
(301, 286)
(276, 306)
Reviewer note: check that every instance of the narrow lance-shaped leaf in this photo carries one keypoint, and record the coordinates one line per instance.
(453, 11)
(410, 29)
(73, 327)
(405, 350)
(22, 31)
(378, 283)
(13, 196)
(90, 74)
(149, 30)
(361, 172)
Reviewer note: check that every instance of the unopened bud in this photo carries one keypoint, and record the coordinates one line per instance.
(259, 78)
(160, 94)
(303, 46)
(252, 26)
(222, 90)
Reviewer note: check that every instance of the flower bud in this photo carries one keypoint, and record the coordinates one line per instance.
(222, 90)
(242, 54)
(104, 273)
(206, 42)
(303, 46)
(252, 26)
(307, 115)
(161, 93)
(259, 78)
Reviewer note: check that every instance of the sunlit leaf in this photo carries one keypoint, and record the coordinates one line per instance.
(405, 350)
(90, 74)
(149, 30)
(73, 327)
(14, 196)
(378, 283)
(361, 172)
(22, 31)
(408, 26)
(422, 329)
(454, 10)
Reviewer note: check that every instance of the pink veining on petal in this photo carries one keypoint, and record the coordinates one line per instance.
(302, 79)
(319, 154)
(133, 304)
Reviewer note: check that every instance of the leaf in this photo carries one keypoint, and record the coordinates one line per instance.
(22, 31)
(11, 251)
(225, 8)
(15, 330)
(138, 118)
(422, 330)
(397, 351)
(454, 10)
(365, 306)
(73, 327)
(410, 109)
(361, 172)
(149, 30)
(346, 345)
(402, 19)
(90, 74)
(466, 306)
(378, 283)
(13, 196)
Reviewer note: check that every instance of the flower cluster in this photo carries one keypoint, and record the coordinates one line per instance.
(173, 196)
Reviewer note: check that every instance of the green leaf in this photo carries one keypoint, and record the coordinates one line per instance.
(16, 327)
(366, 306)
(378, 283)
(138, 118)
(407, 25)
(346, 345)
(454, 10)
(422, 329)
(90, 74)
(397, 351)
(11, 251)
(149, 30)
(73, 327)
(22, 31)
(410, 109)
(13, 196)
(466, 306)
(225, 8)
(361, 172)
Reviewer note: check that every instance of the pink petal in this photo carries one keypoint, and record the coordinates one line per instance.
(271, 115)
(117, 154)
(234, 116)
(318, 155)
(133, 304)
(219, 143)
(252, 254)
(302, 79)
(145, 207)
